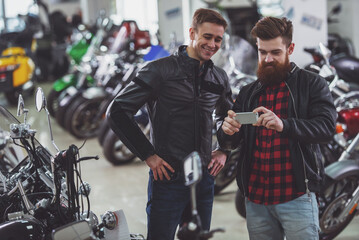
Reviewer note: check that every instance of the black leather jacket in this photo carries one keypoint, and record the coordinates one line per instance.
(311, 120)
(180, 105)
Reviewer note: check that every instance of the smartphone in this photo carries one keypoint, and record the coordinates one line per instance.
(246, 117)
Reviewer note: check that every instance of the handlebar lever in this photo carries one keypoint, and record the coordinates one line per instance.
(88, 158)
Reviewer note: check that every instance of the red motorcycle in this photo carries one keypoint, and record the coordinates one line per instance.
(338, 200)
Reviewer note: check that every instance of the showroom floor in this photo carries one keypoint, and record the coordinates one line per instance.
(124, 187)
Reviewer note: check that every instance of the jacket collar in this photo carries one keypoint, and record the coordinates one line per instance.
(189, 64)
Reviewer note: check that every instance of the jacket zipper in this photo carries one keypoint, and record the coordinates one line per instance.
(195, 91)
(300, 148)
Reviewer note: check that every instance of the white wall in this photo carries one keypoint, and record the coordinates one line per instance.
(146, 16)
(309, 26)
(91, 9)
(348, 19)
(170, 18)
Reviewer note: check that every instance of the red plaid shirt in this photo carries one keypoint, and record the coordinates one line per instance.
(271, 179)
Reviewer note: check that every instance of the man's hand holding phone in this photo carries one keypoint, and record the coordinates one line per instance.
(268, 119)
(230, 126)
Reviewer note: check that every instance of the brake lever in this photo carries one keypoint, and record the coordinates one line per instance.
(88, 158)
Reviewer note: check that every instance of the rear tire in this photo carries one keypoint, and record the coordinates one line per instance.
(332, 201)
(240, 204)
(115, 151)
(52, 102)
(80, 118)
(103, 130)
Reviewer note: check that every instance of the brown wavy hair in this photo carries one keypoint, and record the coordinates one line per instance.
(203, 15)
(271, 27)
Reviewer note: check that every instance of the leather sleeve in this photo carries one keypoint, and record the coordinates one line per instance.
(225, 142)
(319, 125)
(120, 112)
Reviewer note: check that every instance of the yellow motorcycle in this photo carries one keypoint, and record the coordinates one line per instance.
(17, 69)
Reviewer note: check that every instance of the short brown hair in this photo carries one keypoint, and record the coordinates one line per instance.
(270, 27)
(203, 15)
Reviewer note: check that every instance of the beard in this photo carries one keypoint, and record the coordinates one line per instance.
(273, 73)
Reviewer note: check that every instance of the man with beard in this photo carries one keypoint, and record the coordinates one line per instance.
(181, 92)
(280, 166)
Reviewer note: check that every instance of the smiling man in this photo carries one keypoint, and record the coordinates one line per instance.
(181, 92)
(280, 166)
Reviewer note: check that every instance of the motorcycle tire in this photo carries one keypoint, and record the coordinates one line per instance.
(52, 102)
(240, 204)
(80, 117)
(227, 174)
(102, 132)
(115, 151)
(12, 97)
(332, 200)
(62, 109)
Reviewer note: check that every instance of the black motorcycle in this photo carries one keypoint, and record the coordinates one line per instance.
(44, 192)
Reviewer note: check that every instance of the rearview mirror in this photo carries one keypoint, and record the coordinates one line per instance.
(40, 100)
(192, 168)
(325, 52)
(77, 230)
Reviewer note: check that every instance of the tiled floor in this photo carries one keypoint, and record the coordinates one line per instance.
(124, 187)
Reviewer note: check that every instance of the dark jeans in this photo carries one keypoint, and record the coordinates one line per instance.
(169, 205)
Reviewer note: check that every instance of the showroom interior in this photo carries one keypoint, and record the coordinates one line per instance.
(93, 48)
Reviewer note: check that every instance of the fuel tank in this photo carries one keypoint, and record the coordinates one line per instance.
(23, 229)
(347, 67)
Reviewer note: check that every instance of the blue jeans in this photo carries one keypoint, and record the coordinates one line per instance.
(169, 205)
(296, 220)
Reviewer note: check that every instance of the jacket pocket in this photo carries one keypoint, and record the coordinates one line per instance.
(212, 87)
(314, 165)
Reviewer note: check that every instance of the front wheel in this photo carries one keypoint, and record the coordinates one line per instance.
(332, 202)
(81, 119)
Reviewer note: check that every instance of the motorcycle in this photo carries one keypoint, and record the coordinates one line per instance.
(45, 192)
(338, 200)
(124, 50)
(17, 68)
(83, 71)
(86, 112)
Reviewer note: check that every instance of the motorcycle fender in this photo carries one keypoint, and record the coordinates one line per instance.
(64, 82)
(94, 93)
(67, 95)
(342, 169)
